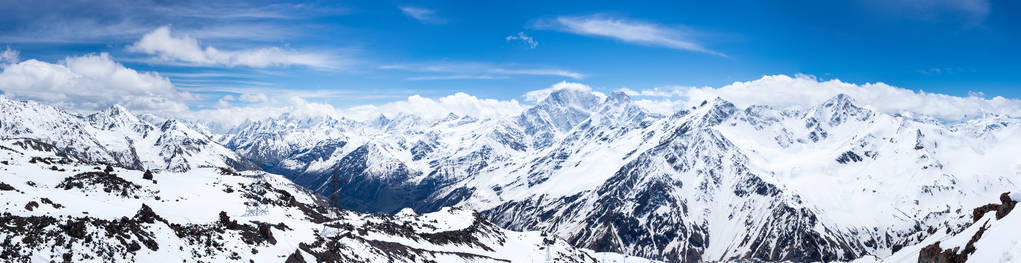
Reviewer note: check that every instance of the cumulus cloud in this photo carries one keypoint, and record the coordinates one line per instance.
(477, 70)
(539, 95)
(459, 103)
(524, 38)
(182, 48)
(805, 90)
(91, 82)
(626, 30)
(426, 16)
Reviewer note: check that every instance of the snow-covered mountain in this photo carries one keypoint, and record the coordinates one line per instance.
(114, 136)
(837, 181)
(58, 209)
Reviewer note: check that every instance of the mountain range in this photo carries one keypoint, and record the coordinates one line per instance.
(110, 187)
(576, 172)
(831, 182)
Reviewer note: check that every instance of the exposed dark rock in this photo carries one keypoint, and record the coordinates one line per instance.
(978, 212)
(1006, 205)
(31, 205)
(848, 157)
(110, 183)
(145, 214)
(6, 187)
(227, 171)
(260, 233)
(295, 257)
(51, 203)
(147, 175)
(75, 228)
(933, 254)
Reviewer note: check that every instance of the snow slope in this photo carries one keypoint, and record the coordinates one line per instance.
(61, 209)
(995, 240)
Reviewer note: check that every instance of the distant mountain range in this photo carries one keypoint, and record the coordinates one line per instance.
(836, 181)
(577, 172)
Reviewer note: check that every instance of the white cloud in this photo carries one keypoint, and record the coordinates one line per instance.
(524, 38)
(91, 82)
(539, 95)
(631, 31)
(477, 70)
(253, 97)
(8, 56)
(661, 106)
(427, 16)
(182, 48)
(224, 102)
(459, 103)
(663, 92)
(427, 108)
(805, 90)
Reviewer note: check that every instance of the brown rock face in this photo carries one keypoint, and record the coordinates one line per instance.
(1006, 207)
(934, 254)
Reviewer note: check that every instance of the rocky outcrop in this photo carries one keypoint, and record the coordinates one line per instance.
(934, 254)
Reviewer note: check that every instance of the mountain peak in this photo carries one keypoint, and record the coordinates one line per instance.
(582, 99)
(712, 112)
(116, 116)
(618, 97)
(117, 109)
(717, 103)
(839, 109)
(839, 100)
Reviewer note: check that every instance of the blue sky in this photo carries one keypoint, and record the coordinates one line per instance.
(371, 52)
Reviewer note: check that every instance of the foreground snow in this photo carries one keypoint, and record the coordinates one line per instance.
(998, 242)
(60, 209)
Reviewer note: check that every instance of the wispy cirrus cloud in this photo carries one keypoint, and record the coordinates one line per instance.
(426, 16)
(477, 70)
(626, 30)
(8, 56)
(452, 77)
(54, 21)
(525, 39)
(182, 48)
(970, 12)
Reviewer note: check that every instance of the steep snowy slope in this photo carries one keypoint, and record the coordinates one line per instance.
(113, 136)
(58, 209)
(714, 182)
(991, 238)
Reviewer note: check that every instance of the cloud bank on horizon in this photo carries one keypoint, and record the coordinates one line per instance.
(95, 81)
